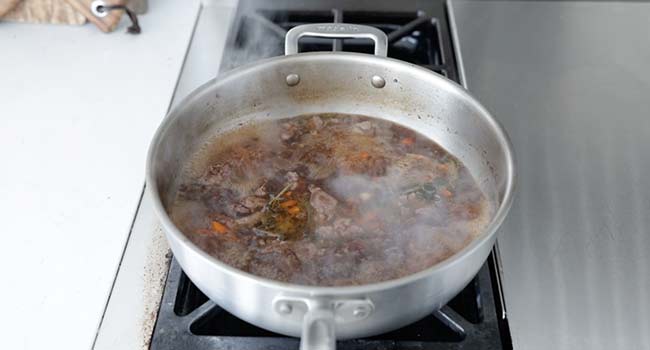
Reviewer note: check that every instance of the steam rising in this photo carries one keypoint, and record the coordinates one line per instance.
(395, 202)
(257, 38)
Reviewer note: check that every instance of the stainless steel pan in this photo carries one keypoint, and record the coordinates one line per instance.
(297, 84)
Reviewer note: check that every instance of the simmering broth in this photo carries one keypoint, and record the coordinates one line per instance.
(328, 200)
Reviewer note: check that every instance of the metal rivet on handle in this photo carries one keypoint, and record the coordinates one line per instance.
(98, 8)
(360, 312)
(293, 79)
(284, 308)
(378, 81)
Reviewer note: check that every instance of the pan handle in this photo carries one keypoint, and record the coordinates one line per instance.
(318, 330)
(320, 317)
(336, 31)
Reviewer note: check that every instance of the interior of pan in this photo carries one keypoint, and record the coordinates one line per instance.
(337, 83)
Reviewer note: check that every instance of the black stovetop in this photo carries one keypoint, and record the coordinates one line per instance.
(418, 32)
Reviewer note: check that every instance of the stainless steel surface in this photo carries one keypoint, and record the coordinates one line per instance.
(335, 83)
(571, 84)
(336, 31)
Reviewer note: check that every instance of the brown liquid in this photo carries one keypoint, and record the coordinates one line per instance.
(328, 200)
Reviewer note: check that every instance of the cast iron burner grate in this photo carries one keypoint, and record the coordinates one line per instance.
(414, 36)
(474, 319)
(188, 320)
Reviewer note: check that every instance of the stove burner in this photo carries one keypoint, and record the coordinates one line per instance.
(413, 37)
(188, 320)
(473, 319)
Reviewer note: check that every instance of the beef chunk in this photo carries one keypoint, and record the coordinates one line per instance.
(425, 247)
(261, 191)
(246, 206)
(324, 205)
(371, 270)
(221, 201)
(412, 169)
(232, 253)
(315, 123)
(364, 163)
(289, 131)
(276, 262)
(191, 191)
(240, 209)
(250, 220)
(467, 211)
(325, 232)
(436, 215)
(365, 127)
(340, 228)
(254, 203)
(337, 265)
(217, 173)
(293, 179)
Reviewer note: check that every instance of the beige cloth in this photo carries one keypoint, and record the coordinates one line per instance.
(6, 6)
(41, 11)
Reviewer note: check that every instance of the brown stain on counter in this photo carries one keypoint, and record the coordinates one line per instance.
(154, 276)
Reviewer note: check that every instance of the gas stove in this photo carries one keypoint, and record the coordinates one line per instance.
(419, 33)
(189, 320)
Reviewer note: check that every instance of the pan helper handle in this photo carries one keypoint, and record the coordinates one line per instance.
(318, 329)
(336, 31)
(320, 317)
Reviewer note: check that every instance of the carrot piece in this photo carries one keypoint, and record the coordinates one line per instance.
(408, 141)
(293, 210)
(287, 194)
(289, 203)
(442, 167)
(446, 193)
(219, 227)
(364, 155)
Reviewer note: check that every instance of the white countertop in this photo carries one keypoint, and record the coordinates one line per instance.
(78, 110)
(136, 295)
